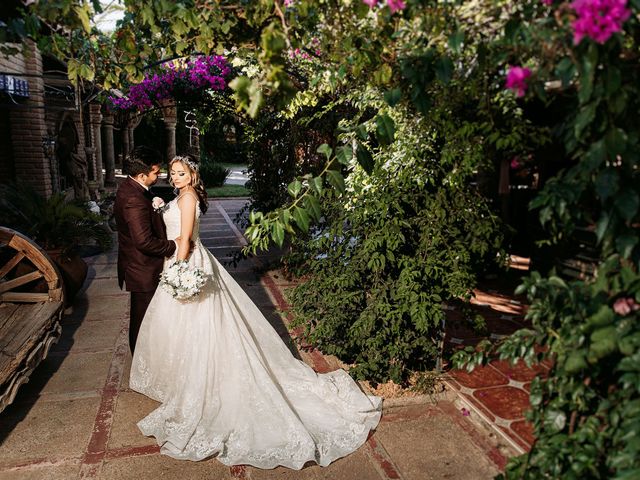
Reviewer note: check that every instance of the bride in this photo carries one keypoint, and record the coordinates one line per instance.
(228, 385)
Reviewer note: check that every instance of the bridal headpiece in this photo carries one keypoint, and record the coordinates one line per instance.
(195, 166)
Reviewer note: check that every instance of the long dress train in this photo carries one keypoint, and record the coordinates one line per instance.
(230, 387)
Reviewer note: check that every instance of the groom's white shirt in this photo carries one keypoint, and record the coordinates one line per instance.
(139, 183)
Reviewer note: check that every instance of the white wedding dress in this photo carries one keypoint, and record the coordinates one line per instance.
(230, 387)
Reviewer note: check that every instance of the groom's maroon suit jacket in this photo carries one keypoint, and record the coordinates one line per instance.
(142, 240)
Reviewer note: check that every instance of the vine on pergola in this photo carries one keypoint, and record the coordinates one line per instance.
(176, 80)
(152, 31)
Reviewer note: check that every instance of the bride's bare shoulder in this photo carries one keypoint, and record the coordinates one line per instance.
(189, 196)
(187, 203)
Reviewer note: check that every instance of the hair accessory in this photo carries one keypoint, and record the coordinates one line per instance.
(192, 165)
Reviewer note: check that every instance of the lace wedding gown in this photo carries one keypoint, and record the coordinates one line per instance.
(230, 387)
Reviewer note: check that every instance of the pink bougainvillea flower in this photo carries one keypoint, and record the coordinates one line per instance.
(547, 2)
(598, 19)
(288, 3)
(371, 3)
(515, 163)
(192, 76)
(465, 412)
(517, 79)
(621, 307)
(396, 5)
(624, 306)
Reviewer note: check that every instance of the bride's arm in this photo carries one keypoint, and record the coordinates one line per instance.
(187, 220)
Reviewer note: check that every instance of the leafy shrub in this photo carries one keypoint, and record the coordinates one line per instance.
(384, 260)
(213, 174)
(587, 411)
(280, 148)
(271, 161)
(54, 222)
(586, 414)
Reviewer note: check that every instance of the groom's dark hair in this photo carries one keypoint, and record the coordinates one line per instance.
(140, 160)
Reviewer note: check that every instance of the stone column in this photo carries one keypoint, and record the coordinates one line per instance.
(109, 153)
(124, 133)
(132, 143)
(170, 117)
(90, 154)
(170, 129)
(133, 124)
(95, 118)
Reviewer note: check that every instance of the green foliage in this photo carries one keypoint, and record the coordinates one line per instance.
(427, 383)
(212, 173)
(386, 255)
(221, 137)
(55, 222)
(279, 149)
(271, 161)
(585, 415)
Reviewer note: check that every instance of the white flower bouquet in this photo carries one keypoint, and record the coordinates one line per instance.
(182, 280)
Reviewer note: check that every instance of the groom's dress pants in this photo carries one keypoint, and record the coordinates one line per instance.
(139, 303)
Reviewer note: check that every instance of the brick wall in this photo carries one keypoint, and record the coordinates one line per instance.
(13, 64)
(6, 149)
(28, 126)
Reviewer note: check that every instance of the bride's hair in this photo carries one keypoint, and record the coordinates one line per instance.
(190, 163)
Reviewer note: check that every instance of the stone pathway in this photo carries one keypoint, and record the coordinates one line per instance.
(237, 175)
(77, 417)
(498, 394)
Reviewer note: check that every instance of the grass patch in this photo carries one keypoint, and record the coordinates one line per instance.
(228, 191)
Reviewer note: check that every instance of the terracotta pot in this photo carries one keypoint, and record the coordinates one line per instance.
(73, 270)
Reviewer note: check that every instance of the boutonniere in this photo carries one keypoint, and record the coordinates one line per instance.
(157, 203)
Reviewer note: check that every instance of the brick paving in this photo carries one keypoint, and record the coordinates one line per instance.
(77, 417)
(497, 394)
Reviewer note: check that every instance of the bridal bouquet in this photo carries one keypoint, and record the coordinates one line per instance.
(182, 281)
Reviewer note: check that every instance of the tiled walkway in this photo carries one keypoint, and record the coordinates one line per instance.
(77, 417)
(497, 394)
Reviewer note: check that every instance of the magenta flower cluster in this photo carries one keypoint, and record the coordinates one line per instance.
(200, 73)
(394, 5)
(517, 80)
(598, 19)
(299, 53)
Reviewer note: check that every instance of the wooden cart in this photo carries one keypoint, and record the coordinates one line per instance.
(31, 307)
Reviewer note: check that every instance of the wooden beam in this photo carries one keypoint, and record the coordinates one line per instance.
(20, 297)
(11, 263)
(16, 282)
(35, 255)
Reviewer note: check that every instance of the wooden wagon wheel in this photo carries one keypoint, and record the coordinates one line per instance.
(32, 257)
(31, 304)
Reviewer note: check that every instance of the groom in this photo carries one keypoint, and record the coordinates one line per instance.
(142, 240)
